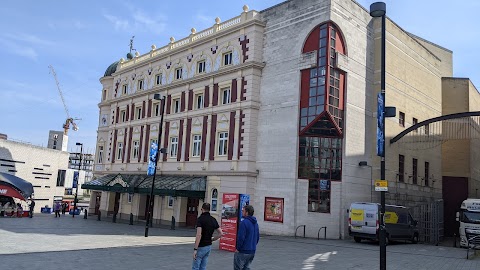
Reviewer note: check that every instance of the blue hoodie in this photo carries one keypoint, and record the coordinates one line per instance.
(248, 236)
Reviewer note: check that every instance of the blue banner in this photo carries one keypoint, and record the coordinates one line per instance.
(244, 200)
(380, 123)
(75, 179)
(152, 160)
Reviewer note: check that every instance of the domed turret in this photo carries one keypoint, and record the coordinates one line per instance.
(111, 69)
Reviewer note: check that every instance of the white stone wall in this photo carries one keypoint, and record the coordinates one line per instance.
(31, 161)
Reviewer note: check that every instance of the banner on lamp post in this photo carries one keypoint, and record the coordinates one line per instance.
(380, 123)
(152, 159)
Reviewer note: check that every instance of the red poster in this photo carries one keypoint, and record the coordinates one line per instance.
(273, 209)
(229, 221)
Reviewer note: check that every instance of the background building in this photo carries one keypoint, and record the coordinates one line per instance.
(279, 104)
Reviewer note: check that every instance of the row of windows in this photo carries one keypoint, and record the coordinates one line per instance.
(195, 148)
(225, 98)
(401, 122)
(178, 73)
(415, 177)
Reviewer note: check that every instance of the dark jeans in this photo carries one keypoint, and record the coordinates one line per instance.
(242, 261)
(57, 213)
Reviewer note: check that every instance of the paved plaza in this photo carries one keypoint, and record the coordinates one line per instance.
(45, 242)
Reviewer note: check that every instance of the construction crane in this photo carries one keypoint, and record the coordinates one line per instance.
(70, 120)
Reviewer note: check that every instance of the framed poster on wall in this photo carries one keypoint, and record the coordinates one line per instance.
(273, 209)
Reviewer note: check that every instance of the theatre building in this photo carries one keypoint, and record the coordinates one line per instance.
(278, 104)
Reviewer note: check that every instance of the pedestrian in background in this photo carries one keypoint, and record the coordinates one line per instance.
(31, 206)
(247, 240)
(206, 225)
(56, 208)
(64, 208)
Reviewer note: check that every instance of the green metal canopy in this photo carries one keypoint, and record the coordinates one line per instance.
(166, 185)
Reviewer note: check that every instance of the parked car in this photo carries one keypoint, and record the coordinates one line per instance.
(364, 221)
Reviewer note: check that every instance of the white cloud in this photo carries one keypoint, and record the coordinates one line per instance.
(20, 50)
(118, 23)
(79, 25)
(203, 21)
(28, 38)
(139, 21)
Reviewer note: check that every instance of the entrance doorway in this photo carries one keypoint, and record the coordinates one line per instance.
(98, 198)
(192, 212)
(454, 191)
(147, 206)
(117, 203)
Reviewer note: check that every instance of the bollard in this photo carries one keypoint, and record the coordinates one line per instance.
(99, 216)
(172, 226)
(114, 220)
(131, 219)
(85, 214)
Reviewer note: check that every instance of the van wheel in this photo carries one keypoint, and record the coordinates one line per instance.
(357, 239)
(415, 239)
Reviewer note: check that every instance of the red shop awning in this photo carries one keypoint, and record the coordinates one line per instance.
(10, 192)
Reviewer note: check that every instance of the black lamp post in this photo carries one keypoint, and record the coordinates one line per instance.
(150, 204)
(76, 184)
(379, 9)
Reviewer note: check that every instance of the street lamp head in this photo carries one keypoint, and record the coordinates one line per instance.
(157, 96)
(378, 9)
(79, 143)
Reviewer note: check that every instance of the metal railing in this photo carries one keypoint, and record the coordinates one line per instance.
(304, 226)
(325, 233)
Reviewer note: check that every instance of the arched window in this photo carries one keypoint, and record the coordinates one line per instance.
(214, 200)
(321, 116)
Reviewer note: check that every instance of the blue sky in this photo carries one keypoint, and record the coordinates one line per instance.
(80, 39)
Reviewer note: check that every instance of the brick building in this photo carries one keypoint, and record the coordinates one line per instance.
(279, 103)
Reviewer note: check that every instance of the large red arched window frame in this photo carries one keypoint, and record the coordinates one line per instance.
(321, 116)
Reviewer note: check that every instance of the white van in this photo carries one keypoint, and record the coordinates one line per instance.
(364, 222)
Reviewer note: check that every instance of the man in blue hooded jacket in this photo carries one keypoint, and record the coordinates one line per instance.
(247, 240)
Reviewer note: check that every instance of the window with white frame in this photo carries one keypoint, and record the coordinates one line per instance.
(136, 149)
(197, 145)
(226, 96)
(140, 85)
(158, 79)
(227, 58)
(120, 150)
(104, 97)
(138, 113)
(173, 146)
(214, 203)
(199, 101)
(201, 66)
(100, 154)
(170, 201)
(124, 89)
(178, 73)
(123, 115)
(176, 105)
(222, 143)
(156, 109)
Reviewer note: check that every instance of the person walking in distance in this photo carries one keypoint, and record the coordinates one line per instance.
(56, 208)
(247, 240)
(206, 225)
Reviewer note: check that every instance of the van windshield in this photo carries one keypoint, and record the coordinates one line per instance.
(471, 217)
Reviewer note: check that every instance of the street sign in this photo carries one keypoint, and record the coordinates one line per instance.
(381, 185)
